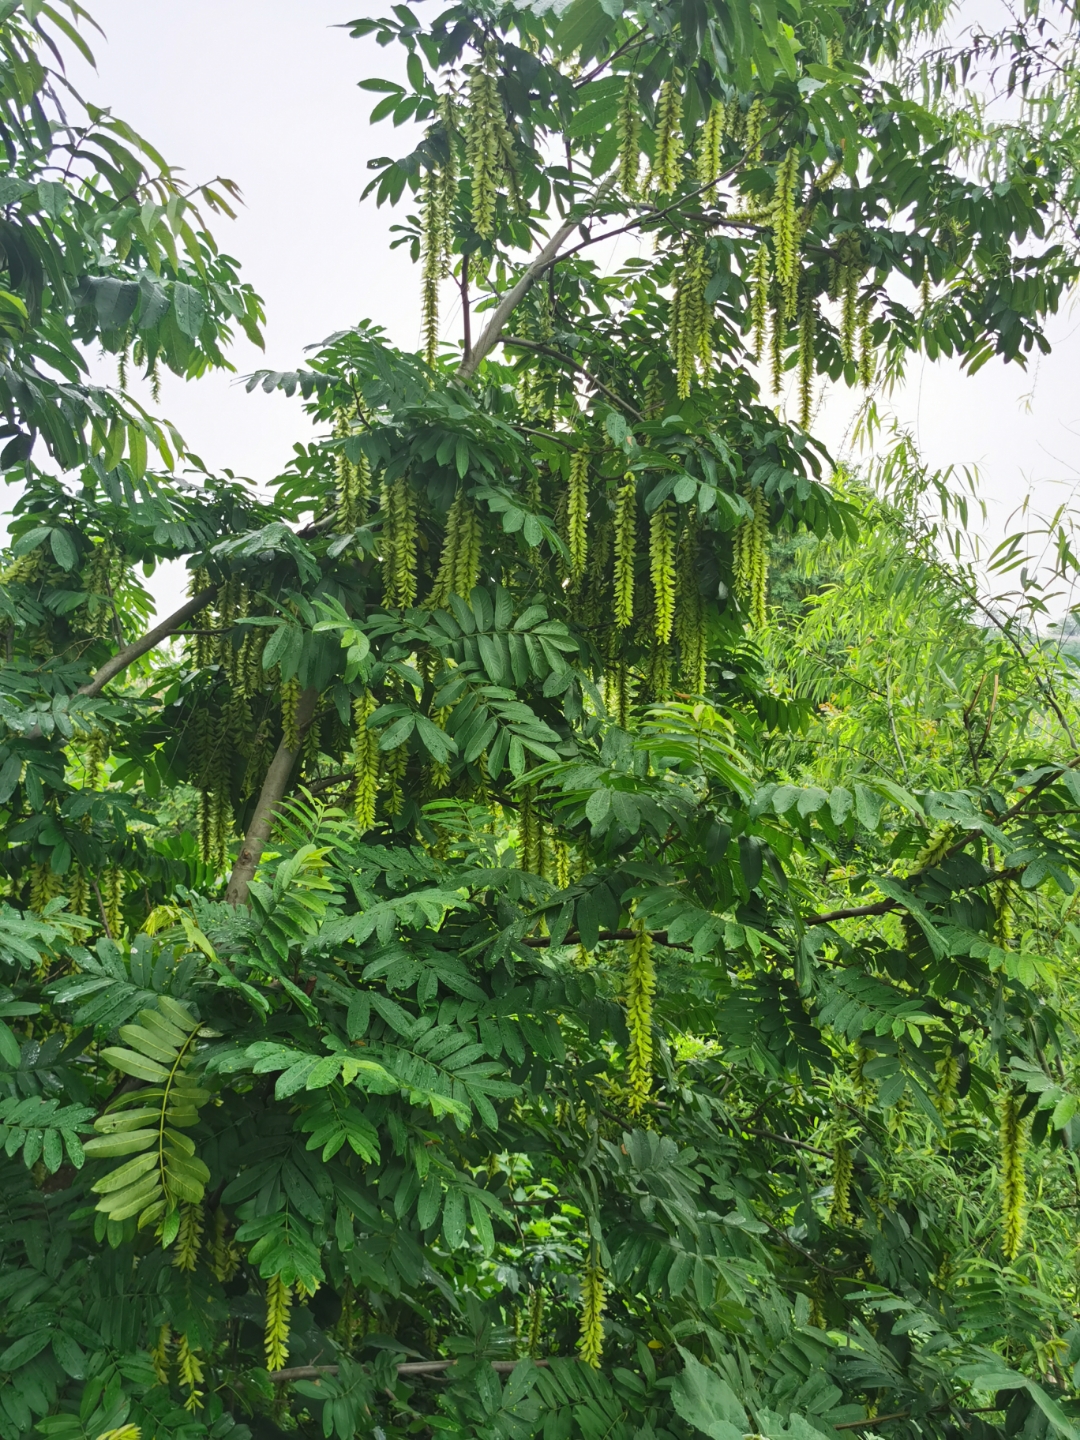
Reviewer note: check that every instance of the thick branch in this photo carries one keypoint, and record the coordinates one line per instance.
(123, 658)
(270, 797)
(513, 297)
(574, 365)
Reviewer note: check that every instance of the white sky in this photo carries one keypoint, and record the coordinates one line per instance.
(264, 91)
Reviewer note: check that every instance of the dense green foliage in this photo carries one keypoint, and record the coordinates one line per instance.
(491, 972)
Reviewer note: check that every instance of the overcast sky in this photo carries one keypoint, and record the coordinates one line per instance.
(264, 91)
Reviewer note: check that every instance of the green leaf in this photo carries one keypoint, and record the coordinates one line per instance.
(189, 309)
(706, 1401)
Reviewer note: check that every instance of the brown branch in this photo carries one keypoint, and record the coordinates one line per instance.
(509, 302)
(574, 365)
(408, 1367)
(123, 658)
(541, 942)
(270, 797)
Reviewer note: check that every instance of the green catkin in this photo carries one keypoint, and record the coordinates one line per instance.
(654, 395)
(751, 565)
(530, 834)
(439, 770)
(666, 169)
(640, 988)
(290, 706)
(760, 279)
(867, 359)
(777, 338)
(807, 327)
(577, 513)
(78, 894)
(98, 576)
(223, 1254)
(924, 291)
(690, 338)
(843, 1170)
(44, 886)
(619, 693)
(708, 149)
(1013, 1216)
(201, 646)
(662, 569)
(734, 119)
(489, 145)
(276, 1338)
(459, 562)
(948, 1079)
(755, 117)
(848, 310)
(351, 484)
(629, 131)
(625, 546)
(365, 762)
(784, 219)
(188, 1237)
(159, 1355)
(432, 246)
(399, 544)
(189, 1372)
(591, 1341)
(112, 898)
(934, 850)
(690, 613)
(396, 765)
(534, 1341)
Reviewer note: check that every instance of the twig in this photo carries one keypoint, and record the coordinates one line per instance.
(541, 942)
(123, 658)
(574, 365)
(101, 907)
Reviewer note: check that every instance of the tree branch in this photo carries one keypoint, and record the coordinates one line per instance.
(509, 302)
(123, 658)
(408, 1367)
(270, 797)
(574, 365)
(541, 942)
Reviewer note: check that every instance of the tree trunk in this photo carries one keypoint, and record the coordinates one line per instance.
(270, 797)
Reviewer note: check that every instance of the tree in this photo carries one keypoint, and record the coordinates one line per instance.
(460, 983)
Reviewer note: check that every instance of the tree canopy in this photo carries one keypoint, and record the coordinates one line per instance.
(570, 929)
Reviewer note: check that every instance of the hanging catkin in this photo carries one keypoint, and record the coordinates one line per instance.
(843, 1171)
(577, 512)
(591, 1342)
(530, 834)
(668, 143)
(112, 897)
(489, 145)
(807, 328)
(848, 284)
(432, 246)
(662, 568)
(399, 544)
(640, 987)
(189, 1372)
(947, 1071)
(708, 148)
(760, 278)
(867, 360)
(752, 132)
(690, 612)
(1013, 1217)
(188, 1237)
(784, 219)
(459, 562)
(629, 130)
(290, 707)
(276, 1339)
(625, 546)
(690, 339)
(365, 762)
(223, 1254)
(751, 565)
